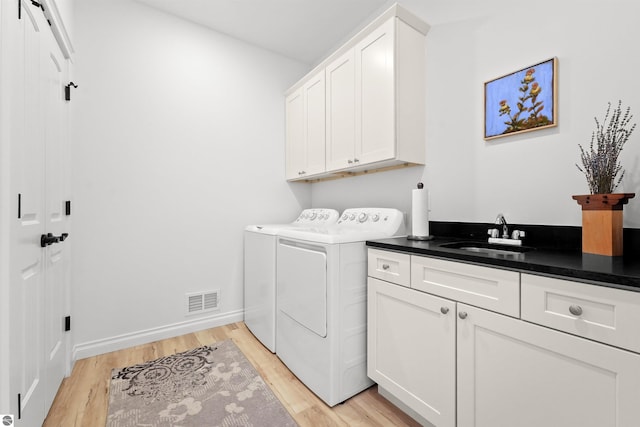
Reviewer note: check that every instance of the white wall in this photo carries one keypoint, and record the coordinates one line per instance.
(529, 177)
(178, 143)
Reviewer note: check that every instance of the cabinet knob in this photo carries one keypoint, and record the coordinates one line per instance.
(462, 315)
(444, 310)
(356, 161)
(576, 310)
(349, 161)
(385, 266)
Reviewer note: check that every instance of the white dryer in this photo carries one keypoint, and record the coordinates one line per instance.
(260, 271)
(322, 300)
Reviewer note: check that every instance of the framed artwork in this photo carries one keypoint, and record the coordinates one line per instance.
(522, 101)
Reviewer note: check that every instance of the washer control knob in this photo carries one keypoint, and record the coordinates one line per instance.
(344, 217)
(362, 217)
(375, 217)
(313, 216)
(352, 216)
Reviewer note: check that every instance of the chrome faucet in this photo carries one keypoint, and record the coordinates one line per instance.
(500, 220)
(494, 234)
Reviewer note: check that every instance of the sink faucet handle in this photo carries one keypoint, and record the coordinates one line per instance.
(493, 232)
(517, 234)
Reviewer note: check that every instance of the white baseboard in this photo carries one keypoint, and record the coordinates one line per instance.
(106, 345)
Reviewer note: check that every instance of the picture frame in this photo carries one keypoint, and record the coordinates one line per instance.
(522, 101)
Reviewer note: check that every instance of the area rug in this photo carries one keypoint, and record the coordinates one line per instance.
(207, 386)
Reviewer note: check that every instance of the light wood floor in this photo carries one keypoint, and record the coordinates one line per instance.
(82, 398)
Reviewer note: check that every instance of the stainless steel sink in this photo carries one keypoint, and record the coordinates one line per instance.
(489, 248)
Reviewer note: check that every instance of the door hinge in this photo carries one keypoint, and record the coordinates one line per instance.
(67, 207)
(19, 406)
(67, 323)
(19, 205)
(36, 4)
(41, 6)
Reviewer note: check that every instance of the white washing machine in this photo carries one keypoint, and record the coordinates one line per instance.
(322, 300)
(260, 271)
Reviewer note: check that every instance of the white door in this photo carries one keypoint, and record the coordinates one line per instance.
(56, 256)
(39, 276)
(28, 178)
(514, 373)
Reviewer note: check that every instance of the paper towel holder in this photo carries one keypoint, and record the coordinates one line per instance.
(422, 238)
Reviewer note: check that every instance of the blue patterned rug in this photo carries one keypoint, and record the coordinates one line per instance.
(207, 386)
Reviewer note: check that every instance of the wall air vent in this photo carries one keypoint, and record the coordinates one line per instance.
(200, 302)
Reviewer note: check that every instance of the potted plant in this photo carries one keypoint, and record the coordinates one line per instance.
(602, 209)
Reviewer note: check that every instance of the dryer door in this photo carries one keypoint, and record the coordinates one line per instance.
(302, 284)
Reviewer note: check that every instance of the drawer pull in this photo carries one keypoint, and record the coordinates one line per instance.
(576, 310)
(444, 310)
(385, 266)
(462, 315)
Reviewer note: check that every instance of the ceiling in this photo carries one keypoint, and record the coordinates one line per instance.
(305, 30)
(308, 30)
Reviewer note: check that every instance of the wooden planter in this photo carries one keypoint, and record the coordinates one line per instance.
(602, 222)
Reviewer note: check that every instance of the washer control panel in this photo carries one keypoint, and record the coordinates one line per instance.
(371, 218)
(317, 217)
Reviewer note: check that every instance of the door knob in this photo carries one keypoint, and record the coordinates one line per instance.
(50, 239)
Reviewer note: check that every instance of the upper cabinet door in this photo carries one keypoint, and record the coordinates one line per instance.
(296, 146)
(314, 95)
(305, 139)
(341, 112)
(375, 95)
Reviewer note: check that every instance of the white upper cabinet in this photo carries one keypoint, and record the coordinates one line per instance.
(305, 115)
(375, 98)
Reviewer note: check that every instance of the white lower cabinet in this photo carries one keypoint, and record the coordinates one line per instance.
(456, 364)
(412, 349)
(514, 373)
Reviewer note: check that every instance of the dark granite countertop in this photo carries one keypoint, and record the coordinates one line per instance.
(569, 263)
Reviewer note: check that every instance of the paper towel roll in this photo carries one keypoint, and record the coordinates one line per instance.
(420, 212)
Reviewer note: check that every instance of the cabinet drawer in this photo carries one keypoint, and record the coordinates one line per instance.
(393, 267)
(608, 315)
(484, 287)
